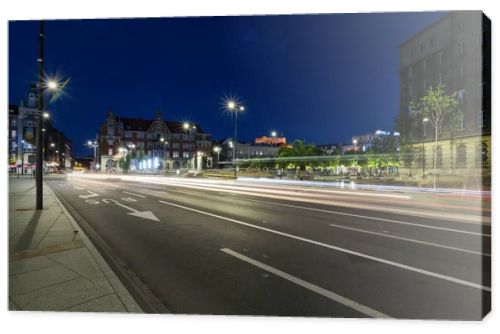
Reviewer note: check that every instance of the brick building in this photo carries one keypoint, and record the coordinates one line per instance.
(153, 144)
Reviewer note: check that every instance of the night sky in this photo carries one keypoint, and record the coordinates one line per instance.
(321, 78)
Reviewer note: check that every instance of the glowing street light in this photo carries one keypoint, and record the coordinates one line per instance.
(52, 85)
(217, 150)
(46, 115)
(233, 106)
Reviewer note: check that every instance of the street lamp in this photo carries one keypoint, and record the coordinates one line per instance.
(217, 150)
(51, 85)
(189, 127)
(424, 121)
(93, 144)
(232, 106)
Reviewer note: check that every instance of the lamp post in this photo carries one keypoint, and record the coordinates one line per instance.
(189, 127)
(93, 144)
(217, 150)
(424, 121)
(232, 106)
(163, 143)
(42, 84)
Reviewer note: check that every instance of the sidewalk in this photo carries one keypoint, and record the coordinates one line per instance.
(52, 268)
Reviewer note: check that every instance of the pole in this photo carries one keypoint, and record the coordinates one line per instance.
(423, 150)
(22, 158)
(39, 123)
(235, 140)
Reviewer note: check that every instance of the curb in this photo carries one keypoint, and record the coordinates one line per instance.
(120, 290)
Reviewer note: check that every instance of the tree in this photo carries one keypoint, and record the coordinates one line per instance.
(441, 111)
(124, 163)
(299, 149)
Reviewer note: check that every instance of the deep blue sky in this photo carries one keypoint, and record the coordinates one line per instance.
(322, 78)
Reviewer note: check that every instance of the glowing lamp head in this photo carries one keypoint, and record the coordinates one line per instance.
(52, 85)
(241, 108)
(185, 125)
(45, 115)
(425, 120)
(89, 143)
(273, 134)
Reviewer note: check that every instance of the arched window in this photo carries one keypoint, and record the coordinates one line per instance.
(461, 156)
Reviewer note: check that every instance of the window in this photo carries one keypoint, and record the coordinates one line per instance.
(462, 122)
(140, 134)
(175, 154)
(461, 28)
(461, 70)
(13, 123)
(128, 134)
(479, 119)
(461, 156)
(433, 42)
(424, 65)
(410, 91)
(440, 58)
(422, 47)
(111, 129)
(425, 85)
(185, 154)
(13, 134)
(440, 78)
(410, 73)
(460, 48)
(439, 157)
(412, 52)
(185, 137)
(110, 151)
(461, 96)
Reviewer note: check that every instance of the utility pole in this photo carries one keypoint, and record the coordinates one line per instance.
(39, 123)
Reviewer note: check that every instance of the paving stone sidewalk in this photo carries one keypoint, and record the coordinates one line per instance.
(52, 268)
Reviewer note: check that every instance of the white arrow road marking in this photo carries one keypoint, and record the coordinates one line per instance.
(309, 286)
(92, 201)
(107, 200)
(92, 194)
(77, 187)
(143, 214)
(128, 199)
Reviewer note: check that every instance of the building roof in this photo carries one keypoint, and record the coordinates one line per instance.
(139, 124)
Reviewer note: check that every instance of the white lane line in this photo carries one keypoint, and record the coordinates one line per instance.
(410, 240)
(368, 217)
(78, 187)
(126, 192)
(314, 288)
(340, 249)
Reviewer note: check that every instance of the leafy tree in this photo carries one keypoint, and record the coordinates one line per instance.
(124, 163)
(442, 112)
(299, 149)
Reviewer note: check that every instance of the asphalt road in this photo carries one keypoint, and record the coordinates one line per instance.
(211, 248)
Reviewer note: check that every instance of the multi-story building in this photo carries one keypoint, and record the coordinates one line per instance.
(276, 141)
(154, 144)
(246, 150)
(453, 52)
(22, 139)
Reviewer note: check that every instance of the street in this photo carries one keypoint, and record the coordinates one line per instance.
(247, 248)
